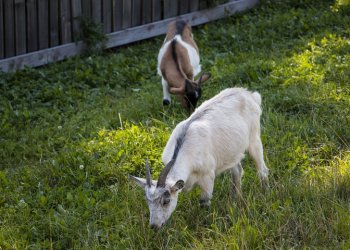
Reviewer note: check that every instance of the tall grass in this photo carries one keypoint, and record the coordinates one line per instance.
(71, 132)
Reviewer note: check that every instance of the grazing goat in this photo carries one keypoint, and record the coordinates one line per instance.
(178, 64)
(213, 139)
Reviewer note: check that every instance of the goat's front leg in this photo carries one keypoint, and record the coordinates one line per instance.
(166, 94)
(207, 185)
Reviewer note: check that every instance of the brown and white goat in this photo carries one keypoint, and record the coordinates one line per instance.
(178, 64)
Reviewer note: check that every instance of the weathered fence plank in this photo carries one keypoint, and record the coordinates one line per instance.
(20, 23)
(9, 27)
(42, 57)
(117, 15)
(54, 21)
(43, 14)
(146, 11)
(2, 52)
(66, 25)
(76, 15)
(96, 9)
(32, 25)
(170, 8)
(203, 4)
(183, 6)
(194, 5)
(136, 13)
(86, 7)
(107, 16)
(156, 10)
(126, 36)
(127, 14)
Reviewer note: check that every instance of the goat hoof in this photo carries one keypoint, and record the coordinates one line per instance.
(166, 102)
(204, 203)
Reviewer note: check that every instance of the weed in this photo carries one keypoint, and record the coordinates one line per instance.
(92, 36)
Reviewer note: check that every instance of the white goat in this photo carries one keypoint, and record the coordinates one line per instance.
(178, 63)
(213, 139)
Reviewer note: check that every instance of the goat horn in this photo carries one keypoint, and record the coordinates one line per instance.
(164, 173)
(148, 174)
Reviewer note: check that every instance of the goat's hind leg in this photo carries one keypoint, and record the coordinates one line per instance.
(166, 94)
(256, 152)
(236, 174)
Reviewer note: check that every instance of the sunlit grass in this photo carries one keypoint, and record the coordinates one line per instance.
(72, 132)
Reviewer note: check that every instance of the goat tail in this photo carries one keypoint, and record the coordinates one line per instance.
(257, 97)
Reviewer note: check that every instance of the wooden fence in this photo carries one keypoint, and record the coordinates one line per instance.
(35, 32)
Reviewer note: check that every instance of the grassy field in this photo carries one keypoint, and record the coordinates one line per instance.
(71, 132)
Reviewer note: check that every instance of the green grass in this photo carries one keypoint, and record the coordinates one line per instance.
(71, 132)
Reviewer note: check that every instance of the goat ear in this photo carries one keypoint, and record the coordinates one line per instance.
(203, 78)
(139, 181)
(177, 186)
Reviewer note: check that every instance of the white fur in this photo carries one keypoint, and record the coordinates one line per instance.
(221, 130)
(217, 141)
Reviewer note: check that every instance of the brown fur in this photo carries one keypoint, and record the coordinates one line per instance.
(180, 72)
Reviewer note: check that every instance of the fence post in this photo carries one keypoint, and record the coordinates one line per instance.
(43, 14)
(9, 28)
(107, 15)
(1, 31)
(54, 32)
(76, 14)
(127, 14)
(117, 15)
(156, 10)
(20, 17)
(66, 24)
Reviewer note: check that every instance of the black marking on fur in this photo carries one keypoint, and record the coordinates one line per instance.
(180, 26)
(174, 54)
(193, 93)
(182, 136)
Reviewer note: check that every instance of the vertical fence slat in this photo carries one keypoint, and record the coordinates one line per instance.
(170, 8)
(96, 10)
(9, 26)
(117, 14)
(203, 4)
(86, 7)
(20, 17)
(1, 31)
(43, 15)
(107, 16)
(76, 14)
(146, 11)
(32, 25)
(194, 5)
(66, 25)
(54, 31)
(183, 6)
(156, 10)
(136, 12)
(127, 11)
